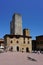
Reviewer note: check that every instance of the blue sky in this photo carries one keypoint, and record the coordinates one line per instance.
(31, 11)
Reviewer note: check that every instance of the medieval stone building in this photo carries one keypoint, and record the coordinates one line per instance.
(19, 39)
(38, 43)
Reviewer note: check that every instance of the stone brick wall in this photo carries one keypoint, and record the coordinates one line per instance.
(19, 42)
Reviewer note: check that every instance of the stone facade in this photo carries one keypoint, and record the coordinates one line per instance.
(38, 43)
(18, 43)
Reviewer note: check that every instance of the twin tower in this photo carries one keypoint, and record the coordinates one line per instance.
(16, 26)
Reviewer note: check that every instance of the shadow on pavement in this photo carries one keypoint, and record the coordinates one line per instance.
(32, 59)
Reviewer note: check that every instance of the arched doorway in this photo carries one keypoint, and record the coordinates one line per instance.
(17, 48)
(27, 49)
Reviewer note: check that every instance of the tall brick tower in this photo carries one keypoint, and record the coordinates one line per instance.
(16, 25)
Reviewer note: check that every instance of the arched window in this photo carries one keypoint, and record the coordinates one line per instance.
(17, 41)
(28, 42)
(17, 48)
(11, 41)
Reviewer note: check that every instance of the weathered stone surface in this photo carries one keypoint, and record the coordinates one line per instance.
(16, 25)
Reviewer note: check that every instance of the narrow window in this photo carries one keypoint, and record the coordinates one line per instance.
(24, 42)
(28, 42)
(27, 49)
(11, 41)
(17, 41)
(17, 48)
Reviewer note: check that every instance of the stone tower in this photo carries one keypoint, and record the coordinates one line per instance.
(26, 32)
(16, 25)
